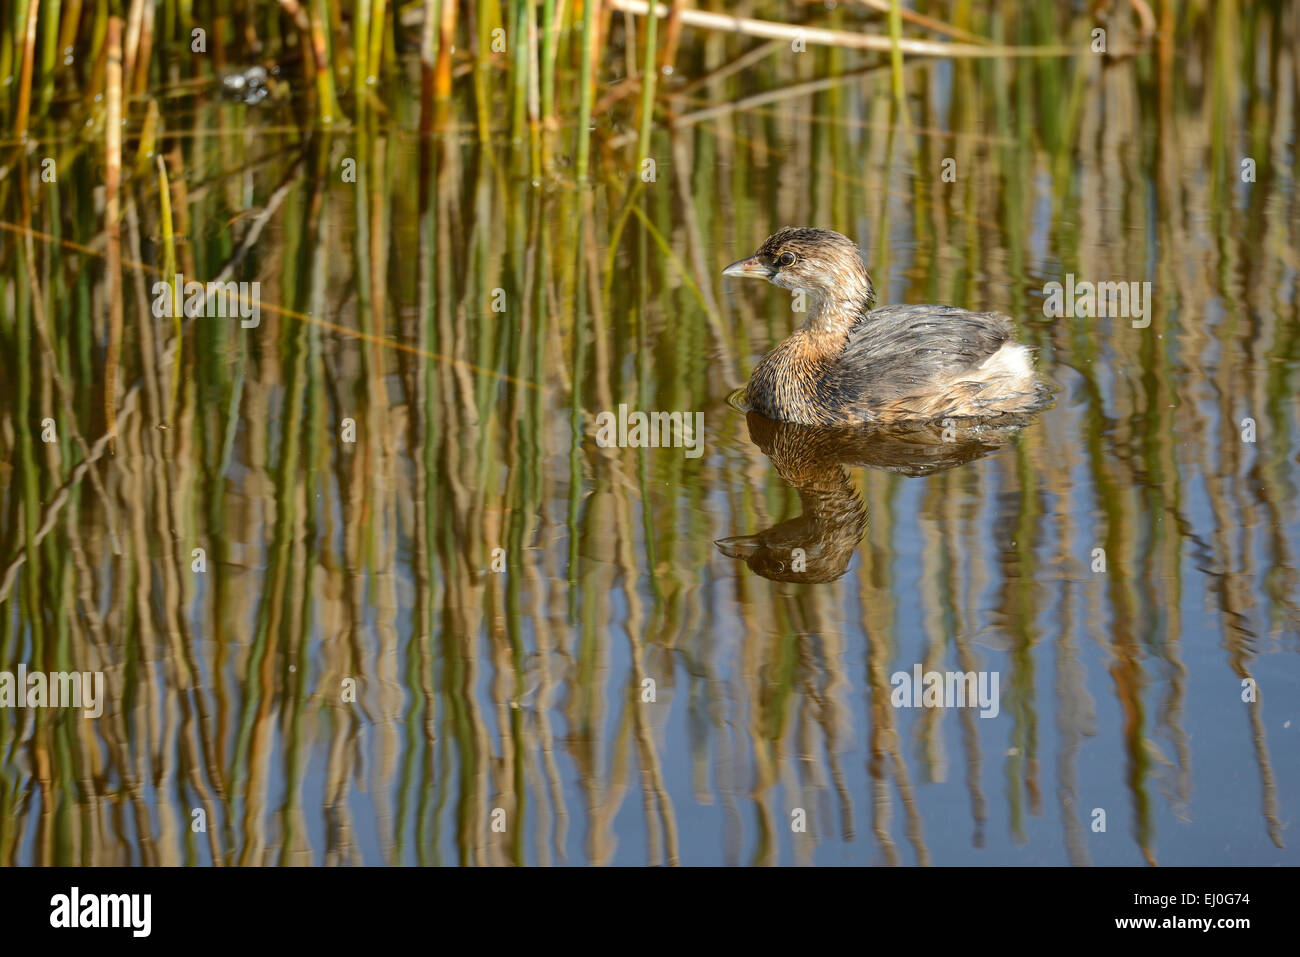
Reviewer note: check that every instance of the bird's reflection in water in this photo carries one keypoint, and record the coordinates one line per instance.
(816, 545)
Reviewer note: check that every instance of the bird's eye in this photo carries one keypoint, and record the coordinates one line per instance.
(787, 259)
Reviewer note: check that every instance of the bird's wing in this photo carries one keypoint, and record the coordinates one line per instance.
(899, 350)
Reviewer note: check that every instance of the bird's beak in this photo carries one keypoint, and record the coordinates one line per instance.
(743, 547)
(753, 267)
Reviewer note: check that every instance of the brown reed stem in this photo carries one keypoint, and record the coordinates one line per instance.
(672, 33)
(706, 20)
(134, 22)
(112, 183)
(446, 37)
(140, 71)
(427, 43)
(25, 79)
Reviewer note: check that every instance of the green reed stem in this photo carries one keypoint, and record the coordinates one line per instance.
(98, 37)
(548, 58)
(482, 82)
(588, 88)
(49, 49)
(327, 107)
(361, 29)
(648, 77)
(29, 468)
(169, 272)
(520, 69)
(896, 52)
(169, 24)
(69, 25)
(376, 55)
(7, 44)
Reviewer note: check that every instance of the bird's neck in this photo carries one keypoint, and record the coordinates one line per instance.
(838, 305)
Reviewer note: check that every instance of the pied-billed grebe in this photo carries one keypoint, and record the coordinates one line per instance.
(849, 364)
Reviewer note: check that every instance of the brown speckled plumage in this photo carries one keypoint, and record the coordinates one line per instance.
(849, 364)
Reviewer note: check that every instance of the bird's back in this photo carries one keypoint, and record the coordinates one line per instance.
(930, 361)
(907, 362)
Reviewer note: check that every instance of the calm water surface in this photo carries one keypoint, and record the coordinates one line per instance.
(396, 485)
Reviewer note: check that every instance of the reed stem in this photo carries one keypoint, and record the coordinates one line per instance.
(327, 107)
(446, 37)
(707, 20)
(169, 274)
(112, 216)
(49, 50)
(25, 79)
(375, 58)
(519, 33)
(361, 29)
(134, 22)
(588, 86)
(548, 58)
(428, 51)
(648, 78)
(534, 93)
(896, 55)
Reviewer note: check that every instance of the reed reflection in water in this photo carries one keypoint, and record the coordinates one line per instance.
(393, 482)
